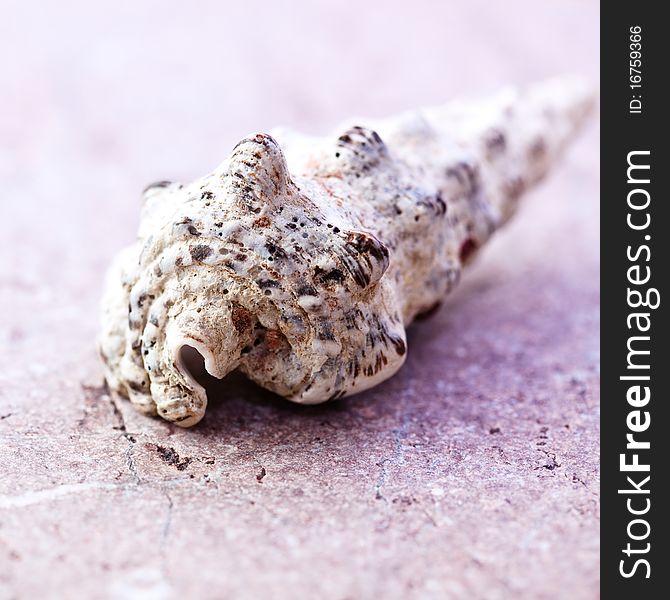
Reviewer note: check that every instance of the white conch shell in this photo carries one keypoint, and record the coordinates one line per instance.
(305, 275)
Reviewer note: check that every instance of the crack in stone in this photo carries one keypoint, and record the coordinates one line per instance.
(97, 394)
(430, 517)
(116, 411)
(397, 458)
(399, 434)
(130, 458)
(165, 532)
(33, 497)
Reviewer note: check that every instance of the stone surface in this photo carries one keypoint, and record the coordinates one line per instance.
(473, 473)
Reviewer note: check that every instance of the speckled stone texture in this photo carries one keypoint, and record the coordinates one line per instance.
(472, 474)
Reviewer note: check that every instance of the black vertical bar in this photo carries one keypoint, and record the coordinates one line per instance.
(635, 244)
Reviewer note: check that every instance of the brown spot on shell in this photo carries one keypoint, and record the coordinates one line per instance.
(200, 252)
(398, 344)
(468, 248)
(241, 317)
(274, 340)
(326, 277)
(261, 223)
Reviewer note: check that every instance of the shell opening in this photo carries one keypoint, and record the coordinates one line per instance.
(192, 365)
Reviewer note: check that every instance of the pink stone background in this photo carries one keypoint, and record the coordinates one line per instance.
(473, 474)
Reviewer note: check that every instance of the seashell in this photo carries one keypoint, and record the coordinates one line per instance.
(300, 260)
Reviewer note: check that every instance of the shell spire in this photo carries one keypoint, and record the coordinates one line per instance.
(301, 261)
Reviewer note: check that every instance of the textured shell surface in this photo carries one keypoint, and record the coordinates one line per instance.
(300, 260)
